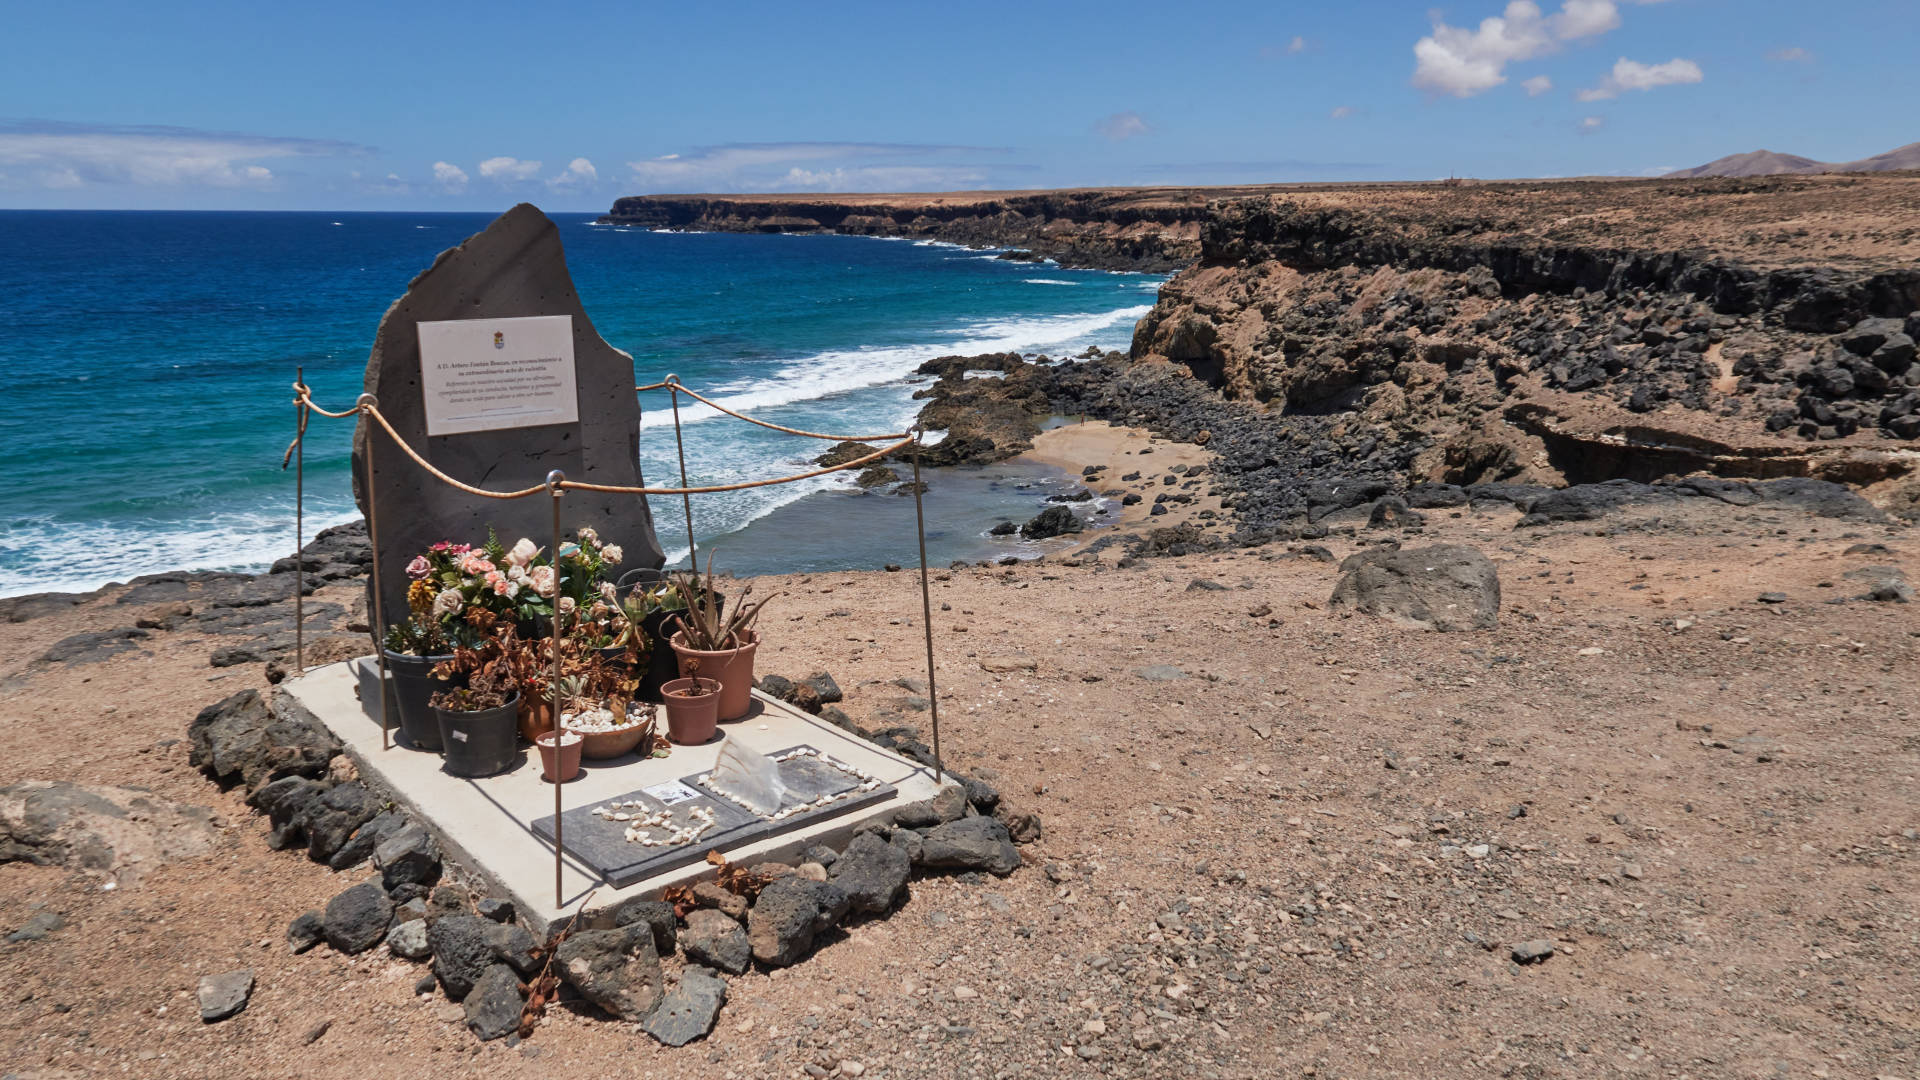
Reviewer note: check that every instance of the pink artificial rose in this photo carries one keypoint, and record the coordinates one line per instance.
(476, 564)
(543, 580)
(419, 568)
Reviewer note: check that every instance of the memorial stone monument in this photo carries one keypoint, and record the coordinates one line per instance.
(500, 404)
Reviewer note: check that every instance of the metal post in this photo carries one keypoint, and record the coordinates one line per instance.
(366, 404)
(686, 500)
(926, 608)
(554, 480)
(299, 524)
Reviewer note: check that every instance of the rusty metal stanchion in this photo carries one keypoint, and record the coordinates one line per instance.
(926, 607)
(366, 403)
(686, 499)
(554, 481)
(299, 522)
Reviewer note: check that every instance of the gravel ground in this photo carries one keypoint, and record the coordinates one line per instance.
(1303, 844)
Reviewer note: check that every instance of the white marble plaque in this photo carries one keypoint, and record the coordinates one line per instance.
(492, 374)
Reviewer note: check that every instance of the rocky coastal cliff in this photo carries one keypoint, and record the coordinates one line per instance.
(1148, 229)
(1546, 335)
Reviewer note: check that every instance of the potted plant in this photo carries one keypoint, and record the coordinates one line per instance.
(720, 643)
(611, 729)
(435, 624)
(605, 628)
(649, 604)
(560, 754)
(477, 717)
(413, 649)
(693, 706)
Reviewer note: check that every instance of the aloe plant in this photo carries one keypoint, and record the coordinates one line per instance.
(703, 624)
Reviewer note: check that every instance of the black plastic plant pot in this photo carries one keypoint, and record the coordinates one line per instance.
(482, 742)
(663, 667)
(413, 685)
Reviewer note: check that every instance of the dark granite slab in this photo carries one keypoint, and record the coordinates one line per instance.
(602, 844)
(808, 778)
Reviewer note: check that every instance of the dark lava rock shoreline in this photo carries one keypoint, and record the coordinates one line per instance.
(1282, 477)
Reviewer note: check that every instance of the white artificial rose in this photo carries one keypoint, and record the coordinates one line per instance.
(611, 554)
(523, 552)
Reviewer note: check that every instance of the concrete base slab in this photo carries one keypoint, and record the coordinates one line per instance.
(501, 826)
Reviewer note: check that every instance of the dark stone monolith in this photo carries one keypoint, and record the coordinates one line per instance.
(515, 268)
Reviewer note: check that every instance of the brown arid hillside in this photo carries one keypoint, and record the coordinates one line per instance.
(1768, 163)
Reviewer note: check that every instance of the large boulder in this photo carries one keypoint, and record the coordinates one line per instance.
(357, 919)
(656, 915)
(462, 951)
(408, 856)
(786, 916)
(615, 969)
(975, 843)
(365, 839)
(689, 1012)
(873, 873)
(1051, 522)
(493, 1008)
(240, 740)
(1445, 587)
(334, 819)
(717, 940)
(514, 268)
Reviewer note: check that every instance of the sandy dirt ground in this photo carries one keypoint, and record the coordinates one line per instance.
(1300, 844)
(1121, 451)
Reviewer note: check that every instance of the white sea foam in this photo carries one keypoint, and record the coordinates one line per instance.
(1048, 281)
(45, 556)
(826, 374)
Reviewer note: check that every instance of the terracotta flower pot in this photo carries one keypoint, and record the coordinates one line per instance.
(732, 667)
(691, 720)
(535, 716)
(568, 754)
(601, 745)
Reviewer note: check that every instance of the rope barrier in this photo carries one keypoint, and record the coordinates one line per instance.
(372, 411)
(673, 382)
(745, 484)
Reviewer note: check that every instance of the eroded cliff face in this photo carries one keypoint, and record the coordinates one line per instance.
(1152, 230)
(1497, 338)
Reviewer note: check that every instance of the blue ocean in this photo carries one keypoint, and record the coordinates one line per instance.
(146, 360)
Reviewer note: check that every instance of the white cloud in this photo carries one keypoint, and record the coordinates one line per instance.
(1537, 85)
(1340, 112)
(811, 166)
(1633, 75)
(1585, 18)
(1591, 124)
(1297, 46)
(64, 156)
(1122, 125)
(878, 178)
(1794, 55)
(508, 170)
(1462, 63)
(578, 174)
(451, 178)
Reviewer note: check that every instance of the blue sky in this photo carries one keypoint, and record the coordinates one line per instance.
(475, 106)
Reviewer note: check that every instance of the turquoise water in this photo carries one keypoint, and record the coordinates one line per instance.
(145, 360)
